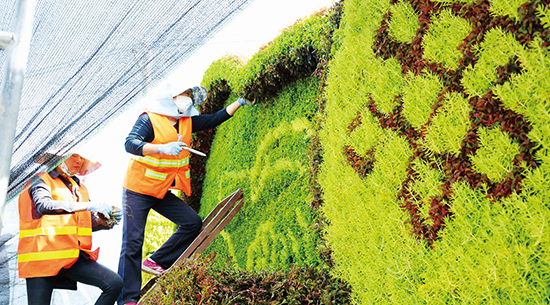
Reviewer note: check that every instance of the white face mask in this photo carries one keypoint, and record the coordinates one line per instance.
(183, 103)
(65, 169)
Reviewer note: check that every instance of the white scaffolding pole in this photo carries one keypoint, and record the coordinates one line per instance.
(17, 45)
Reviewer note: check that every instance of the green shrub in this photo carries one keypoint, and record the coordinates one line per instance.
(404, 22)
(444, 36)
(199, 281)
(263, 150)
(223, 69)
(496, 50)
(494, 157)
(528, 93)
(544, 15)
(453, 208)
(419, 96)
(449, 126)
(506, 8)
(298, 47)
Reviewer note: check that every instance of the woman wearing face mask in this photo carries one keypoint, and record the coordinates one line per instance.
(160, 163)
(56, 220)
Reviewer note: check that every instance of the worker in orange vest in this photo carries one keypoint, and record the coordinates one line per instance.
(159, 142)
(56, 220)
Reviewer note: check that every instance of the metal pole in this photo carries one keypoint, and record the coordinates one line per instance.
(11, 87)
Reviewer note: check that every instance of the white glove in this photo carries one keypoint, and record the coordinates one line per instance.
(100, 208)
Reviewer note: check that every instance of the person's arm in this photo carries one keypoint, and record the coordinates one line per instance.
(207, 121)
(43, 202)
(142, 133)
(138, 141)
(231, 109)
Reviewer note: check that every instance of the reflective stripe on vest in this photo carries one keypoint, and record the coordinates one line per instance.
(47, 255)
(48, 231)
(155, 174)
(52, 242)
(166, 163)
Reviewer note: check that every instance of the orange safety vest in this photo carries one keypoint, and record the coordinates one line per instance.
(52, 242)
(154, 174)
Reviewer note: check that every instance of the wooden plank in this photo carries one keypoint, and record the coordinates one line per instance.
(210, 226)
(219, 228)
(148, 286)
(218, 207)
(213, 224)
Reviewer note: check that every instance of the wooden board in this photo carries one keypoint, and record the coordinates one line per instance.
(213, 224)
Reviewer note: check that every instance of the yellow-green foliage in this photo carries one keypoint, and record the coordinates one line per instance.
(427, 186)
(456, 1)
(304, 34)
(366, 136)
(224, 68)
(386, 82)
(444, 36)
(449, 126)
(506, 7)
(528, 93)
(494, 157)
(488, 252)
(404, 22)
(496, 50)
(544, 14)
(263, 150)
(419, 95)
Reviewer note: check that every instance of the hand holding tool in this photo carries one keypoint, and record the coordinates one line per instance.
(189, 149)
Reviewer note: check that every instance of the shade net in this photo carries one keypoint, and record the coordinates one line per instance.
(89, 60)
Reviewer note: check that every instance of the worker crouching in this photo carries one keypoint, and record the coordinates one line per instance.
(56, 220)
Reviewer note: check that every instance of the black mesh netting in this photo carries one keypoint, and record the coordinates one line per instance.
(89, 60)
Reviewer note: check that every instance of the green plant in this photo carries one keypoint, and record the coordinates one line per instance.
(386, 83)
(419, 97)
(404, 22)
(449, 126)
(507, 7)
(496, 50)
(200, 281)
(263, 151)
(444, 36)
(443, 202)
(494, 157)
(544, 15)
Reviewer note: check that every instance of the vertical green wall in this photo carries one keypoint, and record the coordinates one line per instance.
(436, 176)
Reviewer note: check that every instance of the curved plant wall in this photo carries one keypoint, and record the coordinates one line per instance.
(263, 150)
(436, 167)
(266, 149)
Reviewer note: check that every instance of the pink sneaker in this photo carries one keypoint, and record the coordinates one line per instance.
(151, 267)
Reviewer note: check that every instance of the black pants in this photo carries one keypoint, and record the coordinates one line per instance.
(85, 270)
(136, 209)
